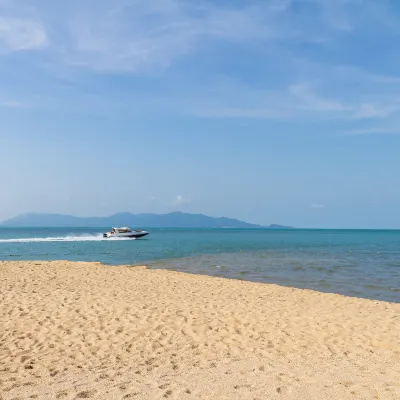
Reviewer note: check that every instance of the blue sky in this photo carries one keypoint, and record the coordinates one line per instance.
(274, 111)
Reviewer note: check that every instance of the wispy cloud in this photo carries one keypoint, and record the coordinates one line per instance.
(141, 36)
(309, 100)
(21, 34)
(215, 59)
(366, 111)
(138, 36)
(297, 100)
(316, 205)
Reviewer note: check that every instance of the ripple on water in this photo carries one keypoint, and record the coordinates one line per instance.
(333, 272)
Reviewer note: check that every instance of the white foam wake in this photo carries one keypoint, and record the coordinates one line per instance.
(83, 238)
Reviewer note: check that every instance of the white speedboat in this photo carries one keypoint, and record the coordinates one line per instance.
(125, 233)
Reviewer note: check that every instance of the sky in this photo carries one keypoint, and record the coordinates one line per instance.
(273, 111)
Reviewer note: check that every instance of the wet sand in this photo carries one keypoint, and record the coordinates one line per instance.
(85, 330)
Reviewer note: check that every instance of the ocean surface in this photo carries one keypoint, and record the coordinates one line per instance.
(361, 263)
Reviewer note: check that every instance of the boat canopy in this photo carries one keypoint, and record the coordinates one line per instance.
(122, 230)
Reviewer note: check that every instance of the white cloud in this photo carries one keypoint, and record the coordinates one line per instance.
(296, 100)
(180, 201)
(141, 36)
(21, 34)
(302, 100)
(375, 111)
(316, 205)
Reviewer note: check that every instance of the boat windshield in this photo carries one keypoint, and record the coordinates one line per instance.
(123, 230)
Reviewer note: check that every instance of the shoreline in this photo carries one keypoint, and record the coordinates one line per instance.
(152, 265)
(145, 266)
(88, 330)
(148, 265)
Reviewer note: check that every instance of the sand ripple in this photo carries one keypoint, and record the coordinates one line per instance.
(84, 330)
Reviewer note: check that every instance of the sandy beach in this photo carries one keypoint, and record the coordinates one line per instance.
(85, 330)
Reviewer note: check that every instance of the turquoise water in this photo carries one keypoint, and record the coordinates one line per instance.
(362, 263)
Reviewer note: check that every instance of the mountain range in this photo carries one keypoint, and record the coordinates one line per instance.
(171, 220)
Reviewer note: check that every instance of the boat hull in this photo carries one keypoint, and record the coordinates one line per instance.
(130, 235)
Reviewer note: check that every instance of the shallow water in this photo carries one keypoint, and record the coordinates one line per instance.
(362, 263)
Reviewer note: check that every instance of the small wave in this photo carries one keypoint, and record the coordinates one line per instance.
(83, 238)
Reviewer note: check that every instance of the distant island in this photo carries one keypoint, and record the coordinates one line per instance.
(171, 220)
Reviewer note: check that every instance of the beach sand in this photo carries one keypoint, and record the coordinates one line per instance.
(85, 330)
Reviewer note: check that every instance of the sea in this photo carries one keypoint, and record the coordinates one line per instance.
(359, 263)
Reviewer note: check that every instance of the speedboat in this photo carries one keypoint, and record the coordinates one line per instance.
(125, 233)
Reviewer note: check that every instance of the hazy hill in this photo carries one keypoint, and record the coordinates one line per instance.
(171, 220)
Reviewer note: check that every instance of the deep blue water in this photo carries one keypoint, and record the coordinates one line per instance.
(362, 263)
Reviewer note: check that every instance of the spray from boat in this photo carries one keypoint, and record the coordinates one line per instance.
(114, 234)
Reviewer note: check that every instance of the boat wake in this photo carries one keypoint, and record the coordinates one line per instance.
(83, 238)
